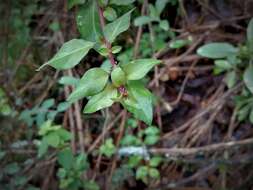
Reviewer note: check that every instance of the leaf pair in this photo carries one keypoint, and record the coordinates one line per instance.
(94, 84)
(89, 26)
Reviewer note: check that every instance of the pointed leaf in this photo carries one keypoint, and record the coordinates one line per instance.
(68, 80)
(65, 158)
(118, 26)
(137, 69)
(248, 78)
(139, 102)
(118, 77)
(102, 100)
(250, 33)
(141, 20)
(121, 2)
(110, 14)
(70, 54)
(88, 22)
(230, 79)
(92, 82)
(160, 5)
(217, 50)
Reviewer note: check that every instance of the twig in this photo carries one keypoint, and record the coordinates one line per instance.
(107, 43)
(139, 32)
(120, 135)
(203, 149)
(79, 122)
(108, 128)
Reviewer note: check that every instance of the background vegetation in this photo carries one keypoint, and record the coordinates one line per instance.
(130, 94)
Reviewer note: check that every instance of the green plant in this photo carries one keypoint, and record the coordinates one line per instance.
(108, 148)
(135, 144)
(102, 87)
(154, 15)
(72, 167)
(43, 112)
(236, 63)
(52, 135)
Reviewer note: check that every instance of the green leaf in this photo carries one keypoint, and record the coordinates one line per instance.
(108, 148)
(43, 147)
(141, 20)
(221, 66)
(250, 34)
(65, 158)
(153, 12)
(139, 102)
(142, 173)
(251, 116)
(121, 24)
(217, 50)
(154, 173)
(72, 3)
(244, 112)
(151, 139)
(64, 134)
(81, 162)
(106, 66)
(177, 44)
(110, 14)
(70, 54)
(128, 140)
(88, 22)
(63, 106)
(134, 161)
(152, 130)
(230, 79)
(102, 100)
(160, 5)
(137, 69)
(52, 139)
(54, 26)
(68, 80)
(121, 2)
(11, 168)
(248, 78)
(61, 173)
(164, 24)
(155, 161)
(116, 49)
(92, 82)
(118, 76)
(48, 103)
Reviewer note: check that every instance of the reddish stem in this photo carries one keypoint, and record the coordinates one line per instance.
(107, 43)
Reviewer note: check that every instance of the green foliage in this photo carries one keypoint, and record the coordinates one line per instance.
(137, 69)
(108, 148)
(118, 77)
(217, 50)
(88, 22)
(5, 108)
(43, 112)
(71, 171)
(154, 15)
(125, 2)
(70, 54)
(91, 83)
(52, 135)
(101, 100)
(110, 14)
(121, 24)
(236, 63)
